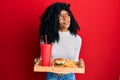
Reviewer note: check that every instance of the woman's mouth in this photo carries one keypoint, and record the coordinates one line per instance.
(66, 23)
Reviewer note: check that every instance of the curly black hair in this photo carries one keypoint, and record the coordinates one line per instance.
(49, 22)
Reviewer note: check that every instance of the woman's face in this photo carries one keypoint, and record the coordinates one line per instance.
(64, 21)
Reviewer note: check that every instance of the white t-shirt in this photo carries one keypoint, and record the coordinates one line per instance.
(68, 46)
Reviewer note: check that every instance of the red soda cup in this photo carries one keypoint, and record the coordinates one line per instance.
(46, 50)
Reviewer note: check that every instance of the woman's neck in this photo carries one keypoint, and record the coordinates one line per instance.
(63, 30)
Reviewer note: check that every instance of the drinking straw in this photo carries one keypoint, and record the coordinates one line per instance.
(45, 38)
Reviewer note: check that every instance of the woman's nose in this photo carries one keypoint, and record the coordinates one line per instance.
(65, 17)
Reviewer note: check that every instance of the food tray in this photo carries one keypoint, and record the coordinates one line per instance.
(63, 70)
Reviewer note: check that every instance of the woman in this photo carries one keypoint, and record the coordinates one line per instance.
(60, 26)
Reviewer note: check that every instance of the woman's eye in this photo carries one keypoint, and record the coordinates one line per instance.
(67, 14)
(63, 15)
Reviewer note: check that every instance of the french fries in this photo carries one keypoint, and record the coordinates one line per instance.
(69, 63)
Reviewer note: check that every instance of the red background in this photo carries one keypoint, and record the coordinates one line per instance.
(19, 39)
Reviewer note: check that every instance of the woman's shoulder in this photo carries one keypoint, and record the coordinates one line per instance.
(78, 37)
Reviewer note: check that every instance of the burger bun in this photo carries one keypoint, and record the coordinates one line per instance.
(59, 61)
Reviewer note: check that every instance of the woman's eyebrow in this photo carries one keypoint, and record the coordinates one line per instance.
(64, 13)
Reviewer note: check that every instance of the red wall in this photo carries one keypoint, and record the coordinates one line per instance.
(19, 39)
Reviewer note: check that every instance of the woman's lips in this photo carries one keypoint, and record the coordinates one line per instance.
(66, 23)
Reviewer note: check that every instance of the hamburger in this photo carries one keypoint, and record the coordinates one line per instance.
(59, 61)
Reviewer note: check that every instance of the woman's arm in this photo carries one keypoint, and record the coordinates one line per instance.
(78, 47)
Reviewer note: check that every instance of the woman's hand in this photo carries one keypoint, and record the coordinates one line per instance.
(81, 63)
